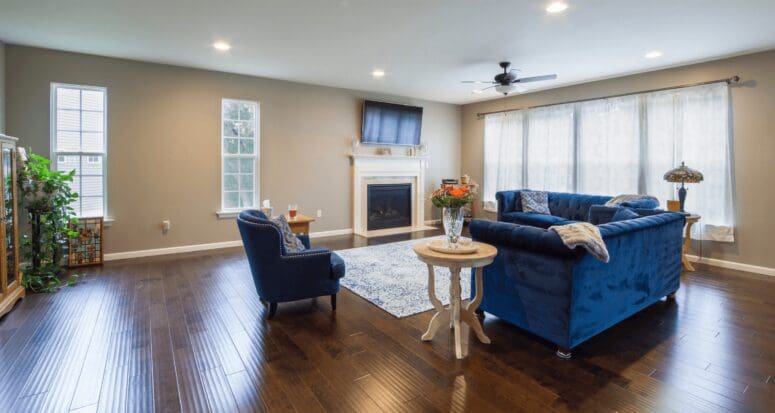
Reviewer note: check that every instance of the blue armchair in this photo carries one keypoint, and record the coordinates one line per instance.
(282, 276)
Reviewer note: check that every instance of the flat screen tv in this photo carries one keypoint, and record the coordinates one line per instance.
(391, 124)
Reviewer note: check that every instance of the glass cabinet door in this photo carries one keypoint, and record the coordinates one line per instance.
(9, 174)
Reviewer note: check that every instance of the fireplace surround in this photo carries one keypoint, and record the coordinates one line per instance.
(406, 171)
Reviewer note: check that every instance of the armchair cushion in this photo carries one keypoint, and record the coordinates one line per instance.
(291, 242)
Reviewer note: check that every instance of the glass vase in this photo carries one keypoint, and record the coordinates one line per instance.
(453, 225)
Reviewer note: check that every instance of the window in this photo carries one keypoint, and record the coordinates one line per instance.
(79, 143)
(617, 146)
(239, 154)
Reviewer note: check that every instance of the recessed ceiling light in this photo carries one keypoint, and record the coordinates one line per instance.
(377, 73)
(653, 54)
(223, 46)
(556, 7)
(477, 91)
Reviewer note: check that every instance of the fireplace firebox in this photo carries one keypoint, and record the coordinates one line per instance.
(388, 206)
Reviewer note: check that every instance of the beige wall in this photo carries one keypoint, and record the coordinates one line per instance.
(164, 137)
(2, 87)
(753, 106)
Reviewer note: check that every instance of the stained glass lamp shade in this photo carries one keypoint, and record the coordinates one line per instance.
(684, 175)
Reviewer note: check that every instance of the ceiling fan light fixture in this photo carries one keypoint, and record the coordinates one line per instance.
(556, 7)
(653, 54)
(505, 89)
(221, 46)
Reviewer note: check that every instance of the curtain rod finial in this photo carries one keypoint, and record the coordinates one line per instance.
(734, 79)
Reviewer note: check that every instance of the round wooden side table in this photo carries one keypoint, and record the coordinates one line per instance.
(691, 219)
(454, 313)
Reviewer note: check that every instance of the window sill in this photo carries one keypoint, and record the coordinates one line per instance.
(107, 222)
(227, 214)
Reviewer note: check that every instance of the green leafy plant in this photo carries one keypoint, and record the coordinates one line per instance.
(46, 196)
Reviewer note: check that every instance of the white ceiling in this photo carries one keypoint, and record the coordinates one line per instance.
(426, 46)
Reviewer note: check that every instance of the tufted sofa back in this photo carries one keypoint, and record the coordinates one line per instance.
(574, 207)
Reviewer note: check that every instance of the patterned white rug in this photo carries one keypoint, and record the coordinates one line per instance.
(391, 277)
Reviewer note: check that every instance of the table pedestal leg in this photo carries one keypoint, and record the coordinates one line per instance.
(454, 304)
(454, 314)
(469, 314)
(442, 314)
(687, 244)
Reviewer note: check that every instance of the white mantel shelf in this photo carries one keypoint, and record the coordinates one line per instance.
(375, 156)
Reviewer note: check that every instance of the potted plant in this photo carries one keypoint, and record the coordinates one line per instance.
(46, 196)
(452, 199)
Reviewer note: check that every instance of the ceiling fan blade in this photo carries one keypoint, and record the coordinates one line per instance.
(535, 78)
(478, 82)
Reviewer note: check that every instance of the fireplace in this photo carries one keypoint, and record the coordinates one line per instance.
(388, 206)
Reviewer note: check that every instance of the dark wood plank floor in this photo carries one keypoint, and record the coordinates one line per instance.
(187, 333)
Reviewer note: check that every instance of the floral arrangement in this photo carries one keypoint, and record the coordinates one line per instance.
(452, 196)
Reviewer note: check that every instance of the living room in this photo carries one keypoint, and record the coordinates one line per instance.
(265, 206)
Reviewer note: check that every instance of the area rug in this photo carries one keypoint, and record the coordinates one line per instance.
(391, 277)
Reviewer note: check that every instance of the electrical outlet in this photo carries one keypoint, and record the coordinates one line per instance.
(165, 226)
(320, 213)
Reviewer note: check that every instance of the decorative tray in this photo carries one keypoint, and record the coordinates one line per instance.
(464, 246)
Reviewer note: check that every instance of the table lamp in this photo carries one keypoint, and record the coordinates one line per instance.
(683, 174)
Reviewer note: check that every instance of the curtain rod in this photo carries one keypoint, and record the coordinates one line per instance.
(729, 80)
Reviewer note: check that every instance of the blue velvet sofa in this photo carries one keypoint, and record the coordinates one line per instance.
(281, 276)
(567, 296)
(565, 208)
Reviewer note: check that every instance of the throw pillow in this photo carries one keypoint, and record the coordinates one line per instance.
(535, 201)
(292, 244)
(624, 214)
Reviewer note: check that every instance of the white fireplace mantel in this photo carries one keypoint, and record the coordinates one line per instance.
(382, 169)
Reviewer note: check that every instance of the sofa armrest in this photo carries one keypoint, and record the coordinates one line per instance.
(508, 235)
(658, 217)
(601, 214)
(507, 202)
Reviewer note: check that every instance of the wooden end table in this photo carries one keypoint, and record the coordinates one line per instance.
(455, 313)
(691, 219)
(300, 224)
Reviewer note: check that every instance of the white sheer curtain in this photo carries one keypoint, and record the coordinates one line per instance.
(608, 146)
(618, 146)
(692, 125)
(550, 153)
(503, 153)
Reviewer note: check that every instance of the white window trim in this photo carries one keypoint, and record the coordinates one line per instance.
(228, 213)
(53, 139)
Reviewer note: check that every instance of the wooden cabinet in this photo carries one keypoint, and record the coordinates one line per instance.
(10, 280)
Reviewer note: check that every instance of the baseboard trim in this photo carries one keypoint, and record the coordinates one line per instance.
(331, 233)
(171, 250)
(203, 247)
(732, 265)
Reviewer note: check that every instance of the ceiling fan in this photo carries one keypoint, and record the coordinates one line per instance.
(508, 81)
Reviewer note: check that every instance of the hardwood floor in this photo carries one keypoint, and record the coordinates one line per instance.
(187, 333)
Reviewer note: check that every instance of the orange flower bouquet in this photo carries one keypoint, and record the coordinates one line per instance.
(451, 199)
(452, 196)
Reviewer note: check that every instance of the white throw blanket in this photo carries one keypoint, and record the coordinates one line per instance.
(585, 235)
(620, 199)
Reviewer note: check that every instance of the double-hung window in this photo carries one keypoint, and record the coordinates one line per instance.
(79, 143)
(239, 154)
